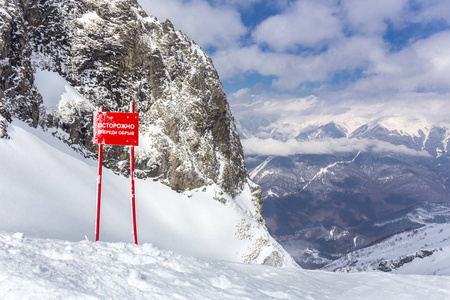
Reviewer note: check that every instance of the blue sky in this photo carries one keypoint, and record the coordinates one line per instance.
(305, 53)
(320, 47)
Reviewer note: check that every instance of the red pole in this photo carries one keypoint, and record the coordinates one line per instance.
(133, 194)
(99, 188)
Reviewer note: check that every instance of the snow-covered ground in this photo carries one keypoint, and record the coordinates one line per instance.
(49, 191)
(33, 268)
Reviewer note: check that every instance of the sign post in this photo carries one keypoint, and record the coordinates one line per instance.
(99, 187)
(112, 128)
(133, 194)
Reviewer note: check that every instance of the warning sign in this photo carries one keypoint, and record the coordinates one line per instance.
(113, 128)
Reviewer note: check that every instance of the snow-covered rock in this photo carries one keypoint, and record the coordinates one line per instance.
(112, 53)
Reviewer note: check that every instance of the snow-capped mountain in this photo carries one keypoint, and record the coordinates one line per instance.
(426, 249)
(330, 171)
(60, 61)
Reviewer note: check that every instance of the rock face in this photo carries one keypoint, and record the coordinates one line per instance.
(113, 53)
(18, 96)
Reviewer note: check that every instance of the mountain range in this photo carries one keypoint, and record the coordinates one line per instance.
(330, 175)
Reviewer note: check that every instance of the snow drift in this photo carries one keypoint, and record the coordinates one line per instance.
(50, 269)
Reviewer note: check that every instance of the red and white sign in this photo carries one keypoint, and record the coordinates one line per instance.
(114, 128)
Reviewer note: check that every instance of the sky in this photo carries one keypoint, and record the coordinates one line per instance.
(316, 47)
(340, 53)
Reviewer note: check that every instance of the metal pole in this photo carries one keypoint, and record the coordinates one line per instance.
(133, 194)
(99, 188)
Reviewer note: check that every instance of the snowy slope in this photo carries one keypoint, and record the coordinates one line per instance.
(50, 269)
(49, 191)
(420, 251)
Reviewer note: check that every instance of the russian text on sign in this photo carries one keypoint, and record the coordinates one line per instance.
(114, 128)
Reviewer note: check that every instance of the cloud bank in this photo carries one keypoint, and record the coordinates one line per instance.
(270, 126)
(257, 146)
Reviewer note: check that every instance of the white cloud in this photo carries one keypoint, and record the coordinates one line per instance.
(236, 3)
(257, 146)
(423, 66)
(350, 32)
(243, 101)
(292, 70)
(306, 23)
(369, 17)
(434, 54)
(405, 90)
(284, 117)
(207, 25)
(431, 11)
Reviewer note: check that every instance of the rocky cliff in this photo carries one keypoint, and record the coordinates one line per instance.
(113, 53)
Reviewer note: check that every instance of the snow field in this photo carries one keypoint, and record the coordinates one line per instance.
(32, 268)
